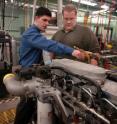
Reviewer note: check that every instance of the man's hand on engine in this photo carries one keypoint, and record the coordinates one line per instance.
(93, 62)
(89, 57)
(94, 58)
(78, 54)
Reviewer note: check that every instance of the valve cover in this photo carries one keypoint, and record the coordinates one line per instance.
(87, 70)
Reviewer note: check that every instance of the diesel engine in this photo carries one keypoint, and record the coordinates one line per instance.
(79, 93)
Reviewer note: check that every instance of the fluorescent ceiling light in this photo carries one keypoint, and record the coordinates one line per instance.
(105, 7)
(6, 1)
(28, 5)
(99, 11)
(86, 2)
(11, 1)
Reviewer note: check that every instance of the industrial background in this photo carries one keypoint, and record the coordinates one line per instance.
(17, 15)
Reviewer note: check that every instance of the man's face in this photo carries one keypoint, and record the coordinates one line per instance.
(69, 19)
(42, 22)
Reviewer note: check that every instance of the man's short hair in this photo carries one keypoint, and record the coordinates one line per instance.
(41, 11)
(69, 8)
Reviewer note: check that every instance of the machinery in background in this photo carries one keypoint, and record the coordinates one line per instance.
(109, 59)
(106, 59)
(69, 90)
(5, 59)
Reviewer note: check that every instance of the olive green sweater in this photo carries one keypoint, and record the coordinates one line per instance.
(80, 36)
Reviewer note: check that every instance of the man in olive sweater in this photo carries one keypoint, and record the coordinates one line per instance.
(76, 35)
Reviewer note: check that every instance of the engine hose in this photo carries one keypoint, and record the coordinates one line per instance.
(14, 86)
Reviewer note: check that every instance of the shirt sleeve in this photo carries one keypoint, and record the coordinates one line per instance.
(37, 40)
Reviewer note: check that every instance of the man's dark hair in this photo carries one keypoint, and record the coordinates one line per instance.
(41, 11)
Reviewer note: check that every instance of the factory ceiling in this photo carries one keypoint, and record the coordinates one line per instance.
(87, 5)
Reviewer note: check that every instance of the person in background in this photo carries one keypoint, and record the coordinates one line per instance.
(75, 35)
(31, 46)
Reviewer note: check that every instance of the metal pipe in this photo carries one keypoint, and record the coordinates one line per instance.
(19, 88)
(13, 86)
(3, 14)
(59, 14)
(34, 7)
